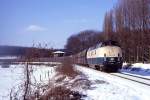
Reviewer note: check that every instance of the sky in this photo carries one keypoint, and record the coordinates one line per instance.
(51, 22)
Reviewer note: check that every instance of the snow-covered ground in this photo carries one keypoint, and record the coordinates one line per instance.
(12, 78)
(138, 69)
(106, 87)
(93, 84)
(9, 78)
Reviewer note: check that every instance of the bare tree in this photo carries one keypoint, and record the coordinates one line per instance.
(131, 25)
(83, 40)
(108, 25)
(33, 54)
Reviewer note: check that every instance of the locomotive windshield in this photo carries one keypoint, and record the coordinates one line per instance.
(110, 43)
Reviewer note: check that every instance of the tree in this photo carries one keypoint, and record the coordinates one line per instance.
(108, 25)
(83, 40)
(131, 27)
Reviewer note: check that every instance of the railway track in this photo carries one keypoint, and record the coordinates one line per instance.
(121, 80)
(136, 76)
(138, 79)
(134, 79)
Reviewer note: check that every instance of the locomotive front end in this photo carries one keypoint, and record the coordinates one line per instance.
(106, 56)
(112, 58)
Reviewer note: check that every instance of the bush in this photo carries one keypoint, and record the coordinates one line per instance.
(66, 68)
(61, 93)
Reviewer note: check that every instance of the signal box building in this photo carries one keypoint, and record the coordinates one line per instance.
(58, 53)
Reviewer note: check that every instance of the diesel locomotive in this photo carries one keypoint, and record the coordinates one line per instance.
(105, 56)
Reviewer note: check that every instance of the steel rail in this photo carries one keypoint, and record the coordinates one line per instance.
(132, 79)
(136, 76)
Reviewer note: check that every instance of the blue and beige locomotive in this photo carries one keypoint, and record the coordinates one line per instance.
(105, 56)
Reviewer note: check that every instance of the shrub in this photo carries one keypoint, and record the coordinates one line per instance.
(66, 68)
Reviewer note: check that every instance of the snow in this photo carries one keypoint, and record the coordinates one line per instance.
(42, 74)
(112, 88)
(8, 57)
(57, 52)
(139, 65)
(138, 69)
(12, 78)
(94, 84)
(140, 80)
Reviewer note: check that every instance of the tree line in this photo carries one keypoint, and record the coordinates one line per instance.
(39, 51)
(128, 22)
(83, 40)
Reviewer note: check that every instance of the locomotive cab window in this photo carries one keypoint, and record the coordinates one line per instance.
(110, 43)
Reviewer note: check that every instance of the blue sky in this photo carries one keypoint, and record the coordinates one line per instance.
(24, 22)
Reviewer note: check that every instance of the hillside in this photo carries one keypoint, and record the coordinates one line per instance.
(21, 51)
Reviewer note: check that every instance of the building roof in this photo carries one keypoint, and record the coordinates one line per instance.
(58, 52)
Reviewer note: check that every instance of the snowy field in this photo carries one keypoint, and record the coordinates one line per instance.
(12, 78)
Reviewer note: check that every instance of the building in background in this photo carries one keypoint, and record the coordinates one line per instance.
(58, 53)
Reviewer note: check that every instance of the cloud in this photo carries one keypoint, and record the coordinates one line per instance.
(35, 28)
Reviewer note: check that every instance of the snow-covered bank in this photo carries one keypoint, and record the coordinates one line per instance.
(12, 78)
(138, 69)
(9, 79)
(106, 87)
